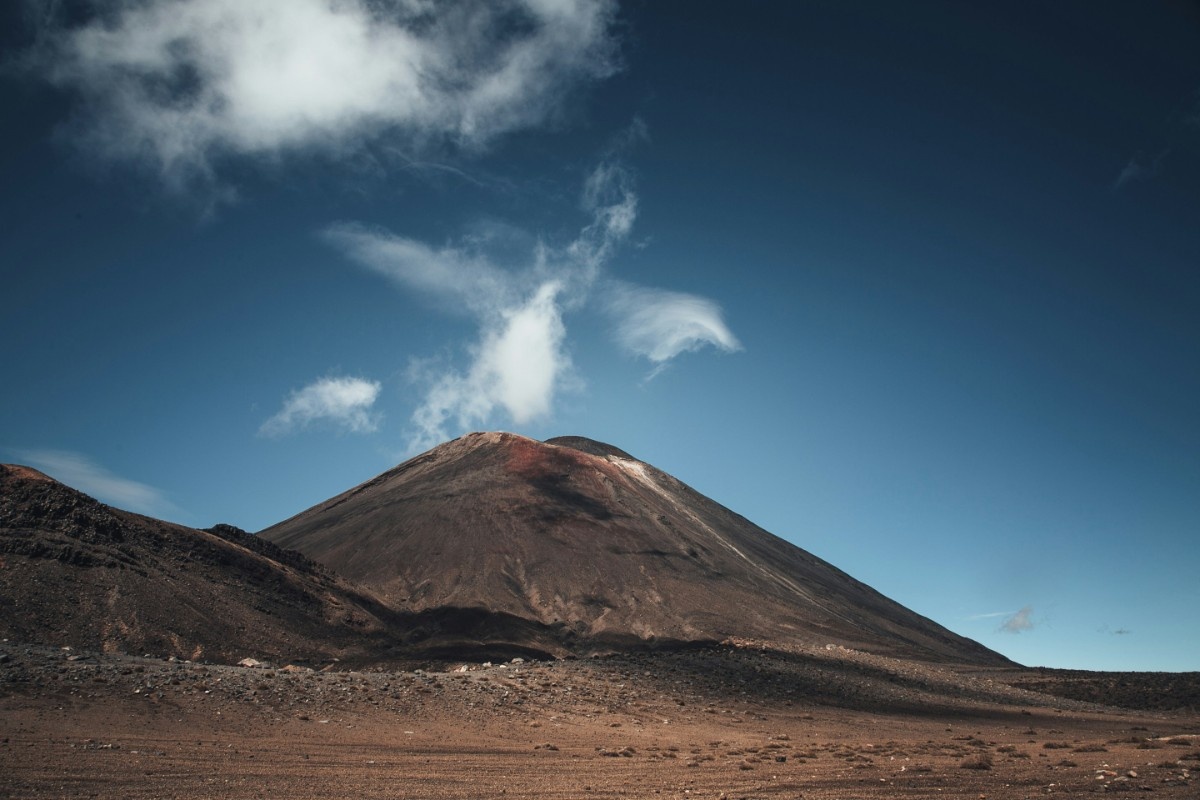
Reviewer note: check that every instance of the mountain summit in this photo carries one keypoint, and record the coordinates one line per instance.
(593, 548)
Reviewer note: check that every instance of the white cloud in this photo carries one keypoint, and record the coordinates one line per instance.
(80, 472)
(520, 361)
(523, 356)
(609, 198)
(454, 276)
(180, 84)
(344, 402)
(1019, 622)
(659, 325)
(519, 365)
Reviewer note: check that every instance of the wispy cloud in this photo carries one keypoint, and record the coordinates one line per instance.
(1019, 622)
(1111, 632)
(659, 324)
(458, 277)
(181, 85)
(521, 360)
(80, 472)
(342, 402)
(1141, 167)
(1176, 135)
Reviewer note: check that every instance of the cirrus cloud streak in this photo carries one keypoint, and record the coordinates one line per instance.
(80, 472)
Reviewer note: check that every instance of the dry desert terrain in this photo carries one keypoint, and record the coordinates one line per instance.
(729, 721)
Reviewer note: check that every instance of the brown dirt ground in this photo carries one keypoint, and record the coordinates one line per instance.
(713, 723)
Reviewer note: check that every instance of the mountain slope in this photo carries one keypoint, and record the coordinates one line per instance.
(75, 572)
(599, 548)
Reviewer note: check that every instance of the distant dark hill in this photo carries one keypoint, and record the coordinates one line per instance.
(75, 572)
(596, 549)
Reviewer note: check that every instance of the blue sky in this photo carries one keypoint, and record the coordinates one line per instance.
(917, 289)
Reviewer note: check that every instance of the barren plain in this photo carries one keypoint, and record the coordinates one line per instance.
(727, 721)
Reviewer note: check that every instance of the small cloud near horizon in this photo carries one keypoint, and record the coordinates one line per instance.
(1177, 135)
(80, 472)
(1141, 167)
(343, 402)
(1019, 622)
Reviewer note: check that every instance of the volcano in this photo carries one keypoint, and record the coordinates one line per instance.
(586, 547)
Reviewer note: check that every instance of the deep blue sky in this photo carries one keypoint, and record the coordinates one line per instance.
(916, 288)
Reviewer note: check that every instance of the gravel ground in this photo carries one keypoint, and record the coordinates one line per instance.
(731, 722)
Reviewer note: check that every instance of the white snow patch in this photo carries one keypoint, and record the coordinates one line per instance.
(638, 471)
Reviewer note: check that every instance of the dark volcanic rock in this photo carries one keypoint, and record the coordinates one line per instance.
(598, 549)
(589, 446)
(1157, 691)
(232, 533)
(76, 572)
